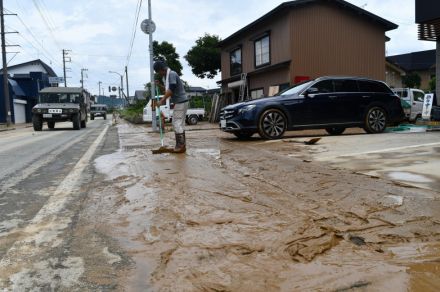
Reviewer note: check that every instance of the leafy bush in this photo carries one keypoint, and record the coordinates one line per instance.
(133, 113)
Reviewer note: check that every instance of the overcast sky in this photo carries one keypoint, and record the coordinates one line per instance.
(99, 31)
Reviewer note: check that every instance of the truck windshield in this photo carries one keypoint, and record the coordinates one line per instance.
(297, 88)
(98, 108)
(59, 98)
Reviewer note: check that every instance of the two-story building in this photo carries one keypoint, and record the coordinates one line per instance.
(300, 40)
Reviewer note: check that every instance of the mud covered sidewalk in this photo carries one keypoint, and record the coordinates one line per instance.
(243, 216)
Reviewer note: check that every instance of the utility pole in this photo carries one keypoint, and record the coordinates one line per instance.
(5, 68)
(99, 84)
(82, 76)
(126, 80)
(66, 59)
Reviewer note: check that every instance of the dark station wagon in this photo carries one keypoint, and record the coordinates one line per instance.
(330, 103)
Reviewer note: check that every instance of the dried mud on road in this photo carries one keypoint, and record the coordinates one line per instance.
(244, 216)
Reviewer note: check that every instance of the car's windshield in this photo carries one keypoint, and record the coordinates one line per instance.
(297, 88)
(59, 98)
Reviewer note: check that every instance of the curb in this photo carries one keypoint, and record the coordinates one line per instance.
(7, 129)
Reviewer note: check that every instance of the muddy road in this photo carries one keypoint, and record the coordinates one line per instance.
(227, 216)
(243, 216)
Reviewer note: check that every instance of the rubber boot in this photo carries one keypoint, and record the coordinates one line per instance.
(180, 143)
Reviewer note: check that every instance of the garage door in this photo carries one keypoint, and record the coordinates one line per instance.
(20, 111)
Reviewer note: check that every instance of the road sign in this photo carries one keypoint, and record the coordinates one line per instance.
(427, 106)
(56, 80)
(148, 26)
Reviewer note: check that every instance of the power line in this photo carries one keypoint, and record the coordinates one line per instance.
(44, 52)
(133, 37)
(46, 23)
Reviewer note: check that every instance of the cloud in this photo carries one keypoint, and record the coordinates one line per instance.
(98, 32)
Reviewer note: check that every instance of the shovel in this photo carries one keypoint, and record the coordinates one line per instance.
(162, 149)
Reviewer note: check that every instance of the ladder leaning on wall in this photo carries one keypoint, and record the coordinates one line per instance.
(244, 89)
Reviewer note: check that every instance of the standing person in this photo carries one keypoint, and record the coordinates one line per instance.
(175, 90)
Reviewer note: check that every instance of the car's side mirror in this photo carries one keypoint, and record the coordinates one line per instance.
(311, 92)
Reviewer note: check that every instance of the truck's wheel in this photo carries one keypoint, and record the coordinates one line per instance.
(37, 122)
(51, 125)
(76, 121)
(84, 124)
(193, 120)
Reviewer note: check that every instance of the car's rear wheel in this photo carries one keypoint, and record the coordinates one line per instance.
(51, 125)
(272, 124)
(335, 130)
(105, 117)
(76, 121)
(92, 117)
(375, 120)
(243, 135)
(37, 122)
(193, 120)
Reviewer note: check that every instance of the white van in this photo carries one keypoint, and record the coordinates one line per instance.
(193, 115)
(412, 102)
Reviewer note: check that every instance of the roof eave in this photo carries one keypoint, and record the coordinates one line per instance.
(383, 22)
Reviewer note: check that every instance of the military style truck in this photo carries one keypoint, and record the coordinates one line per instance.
(98, 110)
(61, 104)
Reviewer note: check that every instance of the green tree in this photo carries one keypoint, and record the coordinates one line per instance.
(165, 51)
(412, 80)
(205, 57)
(432, 84)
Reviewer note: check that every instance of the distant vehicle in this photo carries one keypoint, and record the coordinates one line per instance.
(330, 103)
(412, 102)
(193, 115)
(98, 110)
(61, 104)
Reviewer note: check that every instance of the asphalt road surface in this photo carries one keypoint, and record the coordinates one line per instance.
(42, 179)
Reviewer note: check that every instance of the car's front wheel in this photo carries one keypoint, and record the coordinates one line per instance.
(375, 120)
(335, 130)
(272, 124)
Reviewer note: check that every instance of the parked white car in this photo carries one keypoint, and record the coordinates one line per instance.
(193, 115)
(412, 102)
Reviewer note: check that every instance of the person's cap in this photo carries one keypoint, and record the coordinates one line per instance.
(159, 65)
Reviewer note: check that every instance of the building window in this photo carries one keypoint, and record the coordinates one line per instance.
(236, 63)
(262, 51)
(257, 93)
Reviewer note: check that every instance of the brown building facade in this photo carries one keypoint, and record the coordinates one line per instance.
(300, 40)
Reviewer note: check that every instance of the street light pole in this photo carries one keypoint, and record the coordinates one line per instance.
(149, 27)
(122, 83)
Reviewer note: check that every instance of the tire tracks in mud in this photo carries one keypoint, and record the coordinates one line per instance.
(333, 232)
